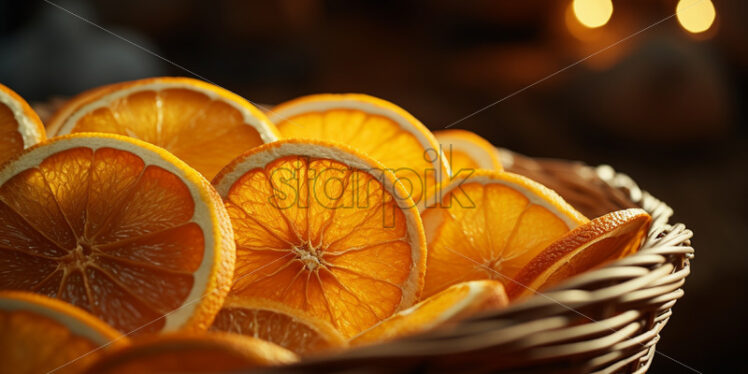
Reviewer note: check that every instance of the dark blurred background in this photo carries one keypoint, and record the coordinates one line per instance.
(666, 106)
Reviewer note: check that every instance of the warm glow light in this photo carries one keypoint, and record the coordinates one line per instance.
(593, 13)
(695, 15)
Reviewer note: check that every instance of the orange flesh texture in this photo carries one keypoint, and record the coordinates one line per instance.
(205, 133)
(278, 328)
(438, 310)
(587, 247)
(12, 140)
(488, 232)
(36, 344)
(377, 136)
(102, 231)
(337, 249)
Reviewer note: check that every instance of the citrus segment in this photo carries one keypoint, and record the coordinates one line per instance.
(323, 229)
(277, 324)
(377, 127)
(591, 245)
(489, 225)
(40, 335)
(466, 150)
(117, 227)
(202, 124)
(192, 353)
(457, 302)
(20, 127)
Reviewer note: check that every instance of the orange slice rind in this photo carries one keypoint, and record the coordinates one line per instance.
(40, 334)
(377, 127)
(488, 225)
(118, 227)
(202, 124)
(20, 126)
(588, 246)
(323, 229)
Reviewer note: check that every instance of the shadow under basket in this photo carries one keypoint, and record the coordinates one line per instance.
(606, 320)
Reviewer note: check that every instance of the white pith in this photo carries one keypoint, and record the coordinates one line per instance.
(319, 151)
(27, 128)
(70, 321)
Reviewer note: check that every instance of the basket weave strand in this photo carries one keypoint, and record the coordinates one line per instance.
(604, 321)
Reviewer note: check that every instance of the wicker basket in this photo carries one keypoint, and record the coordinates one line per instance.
(604, 321)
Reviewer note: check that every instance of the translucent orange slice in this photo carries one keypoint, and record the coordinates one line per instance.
(323, 229)
(456, 303)
(591, 245)
(117, 227)
(489, 225)
(202, 124)
(20, 127)
(376, 127)
(466, 150)
(193, 353)
(40, 335)
(278, 324)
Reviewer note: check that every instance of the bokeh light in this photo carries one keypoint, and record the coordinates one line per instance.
(593, 13)
(695, 15)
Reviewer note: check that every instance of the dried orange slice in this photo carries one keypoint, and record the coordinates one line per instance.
(467, 150)
(278, 324)
(377, 127)
(20, 127)
(193, 353)
(591, 245)
(118, 227)
(202, 124)
(456, 303)
(323, 229)
(489, 225)
(39, 335)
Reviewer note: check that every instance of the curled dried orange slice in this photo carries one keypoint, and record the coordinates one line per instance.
(20, 127)
(488, 225)
(374, 126)
(39, 335)
(456, 303)
(323, 229)
(591, 245)
(192, 353)
(117, 227)
(202, 124)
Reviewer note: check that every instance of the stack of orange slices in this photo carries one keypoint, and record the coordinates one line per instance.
(168, 224)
